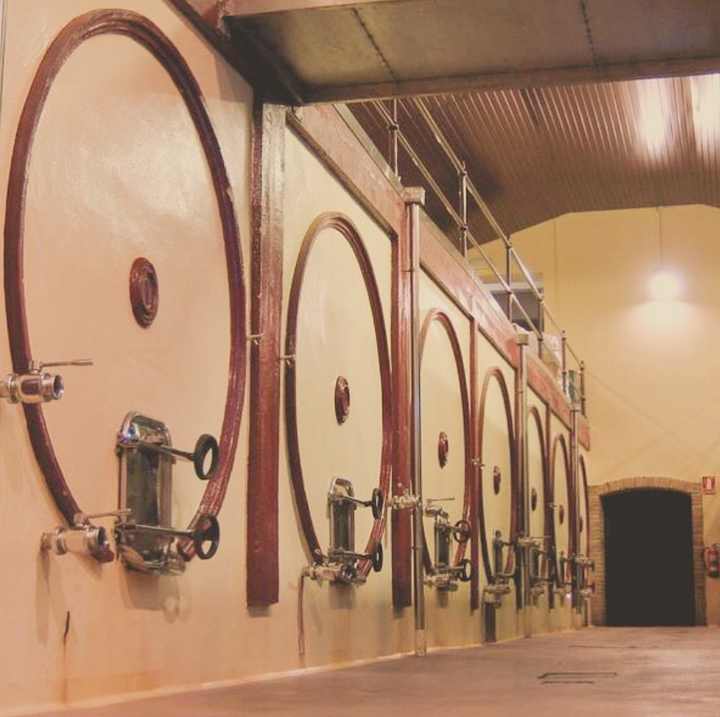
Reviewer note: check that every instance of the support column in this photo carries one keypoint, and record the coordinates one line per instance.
(268, 181)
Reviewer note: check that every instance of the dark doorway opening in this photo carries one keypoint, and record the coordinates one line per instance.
(649, 559)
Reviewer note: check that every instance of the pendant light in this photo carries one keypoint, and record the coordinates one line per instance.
(665, 283)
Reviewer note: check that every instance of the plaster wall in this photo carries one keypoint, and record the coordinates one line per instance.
(116, 173)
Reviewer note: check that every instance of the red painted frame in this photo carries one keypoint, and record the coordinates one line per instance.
(439, 316)
(349, 232)
(497, 374)
(543, 504)
(560, 442)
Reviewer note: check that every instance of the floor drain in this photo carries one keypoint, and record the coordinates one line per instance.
(575, 678)
(602, 647)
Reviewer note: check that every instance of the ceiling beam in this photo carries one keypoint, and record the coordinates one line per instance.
(240, 9)
(250, 59)
(673, 67)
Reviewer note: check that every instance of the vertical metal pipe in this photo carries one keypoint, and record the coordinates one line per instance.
(574, 470)
(583, 400)
(414, 199)
(524, 479)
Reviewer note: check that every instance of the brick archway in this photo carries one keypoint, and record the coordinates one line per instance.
(597, 535)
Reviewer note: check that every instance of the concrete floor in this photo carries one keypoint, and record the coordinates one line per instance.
(600, 671)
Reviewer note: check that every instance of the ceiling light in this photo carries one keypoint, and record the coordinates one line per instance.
(665, 284)
(653, 115)
(705, 93)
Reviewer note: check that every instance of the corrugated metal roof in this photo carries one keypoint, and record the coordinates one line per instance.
(541, 152)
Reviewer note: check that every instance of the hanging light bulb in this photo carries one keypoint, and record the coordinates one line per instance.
(665, 284)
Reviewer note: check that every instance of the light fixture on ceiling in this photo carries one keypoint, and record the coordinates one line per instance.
(654, 116)
(665, 284)
(705, 94)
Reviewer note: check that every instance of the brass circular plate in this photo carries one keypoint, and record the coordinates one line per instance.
(533, 499)
(497, 479)
(342, 400)
(144, 292)
(443, 449)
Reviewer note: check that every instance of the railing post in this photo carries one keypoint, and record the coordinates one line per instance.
(508, 278)
(583, 402)
(393, 129)
(463, 178)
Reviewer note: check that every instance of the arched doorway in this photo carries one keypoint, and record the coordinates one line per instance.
(602, 499)
(648, 559)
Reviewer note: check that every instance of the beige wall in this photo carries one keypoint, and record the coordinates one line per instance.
(117, 172)
(652, 381)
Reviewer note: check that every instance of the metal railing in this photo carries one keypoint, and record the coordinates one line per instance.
(571, 366)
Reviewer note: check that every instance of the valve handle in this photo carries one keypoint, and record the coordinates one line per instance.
(207, 530)
(377, 557)
(462, 531)
(40, 365)
(206, 444)
(466, 571)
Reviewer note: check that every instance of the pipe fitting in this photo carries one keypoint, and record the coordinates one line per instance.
(32, 387)
(80, 540)
(406, 501)
(442, 581)
(334, 573)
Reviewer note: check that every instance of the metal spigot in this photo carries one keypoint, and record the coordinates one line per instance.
(37, 385)
(82, 537)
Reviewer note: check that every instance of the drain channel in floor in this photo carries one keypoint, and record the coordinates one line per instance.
(575, 678)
